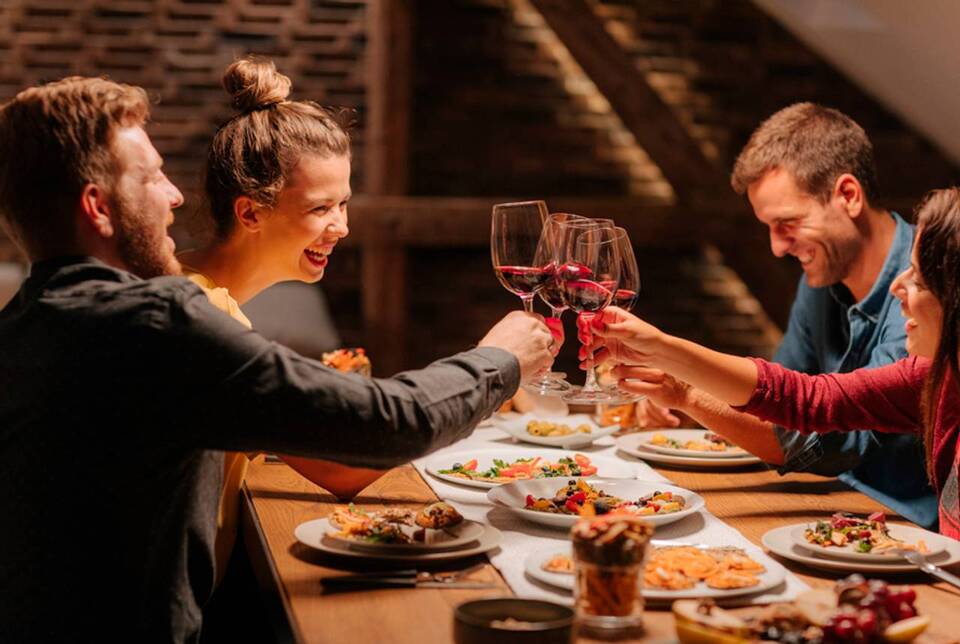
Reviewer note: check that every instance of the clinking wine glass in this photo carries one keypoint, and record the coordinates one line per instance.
(625, 296)
(515, 233)
(590, 272)
(556, 231)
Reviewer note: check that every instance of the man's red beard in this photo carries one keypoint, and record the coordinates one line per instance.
(142, 248)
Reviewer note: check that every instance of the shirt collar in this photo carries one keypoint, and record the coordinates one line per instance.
(898, 258)
(72, 268)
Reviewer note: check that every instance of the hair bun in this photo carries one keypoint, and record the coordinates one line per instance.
(255, 84)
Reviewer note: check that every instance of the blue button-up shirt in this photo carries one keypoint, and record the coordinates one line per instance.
(828, 332)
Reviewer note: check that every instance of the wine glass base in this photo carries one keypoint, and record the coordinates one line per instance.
(552, 384)
(577, 396)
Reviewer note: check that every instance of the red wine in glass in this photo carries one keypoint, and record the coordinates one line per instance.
(588, 296)
(523, 280)
(515, 231)
(625, 298)
(590, 272)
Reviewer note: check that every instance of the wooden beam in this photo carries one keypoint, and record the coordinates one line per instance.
(389, 89)
(387, 162)
(465, 221)
(697, 182)
(651, 121)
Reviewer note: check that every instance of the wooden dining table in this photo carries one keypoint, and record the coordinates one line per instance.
(277, 499)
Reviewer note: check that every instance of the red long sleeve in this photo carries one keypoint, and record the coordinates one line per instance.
(885, 399)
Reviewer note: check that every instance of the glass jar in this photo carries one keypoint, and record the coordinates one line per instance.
(609, 597)
(608, 557)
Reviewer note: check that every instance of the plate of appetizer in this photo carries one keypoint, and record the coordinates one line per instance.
(676, 571)
(780, 542)
(845, 536)
(637, 445)
(438, 526)
(697, 443)
(575, 430)
(561, 503)
(491, 468)
(388, 535)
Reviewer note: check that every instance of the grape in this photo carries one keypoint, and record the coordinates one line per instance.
(844, 629)
(908, 595)
(905, 611)
(879, 588)
(867, 622)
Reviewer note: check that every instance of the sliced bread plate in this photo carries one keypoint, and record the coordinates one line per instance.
(316, 534)
(489, 468)
(910, 536)
(634, 445)
(773, 576)
(513, 496)
(779, 542)
(566, 432)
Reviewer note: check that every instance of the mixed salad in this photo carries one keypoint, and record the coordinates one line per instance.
(523, 468)
(870, 535)
(582, 499)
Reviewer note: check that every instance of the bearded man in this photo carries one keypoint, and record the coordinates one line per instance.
(808, 172)
(120, 392)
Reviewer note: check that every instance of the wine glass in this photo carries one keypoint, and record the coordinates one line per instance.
(547, 255)
(629, 287)
(515, 233)
(590, 273)
(625, 297)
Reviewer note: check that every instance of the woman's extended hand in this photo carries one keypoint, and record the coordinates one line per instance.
(661, 389)
(614, 335)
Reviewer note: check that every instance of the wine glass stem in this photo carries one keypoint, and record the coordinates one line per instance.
(591, 382)
(527, 303)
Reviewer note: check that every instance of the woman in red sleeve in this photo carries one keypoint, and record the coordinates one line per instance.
(918, 394)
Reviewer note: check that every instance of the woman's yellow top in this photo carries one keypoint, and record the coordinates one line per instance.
(234, 463)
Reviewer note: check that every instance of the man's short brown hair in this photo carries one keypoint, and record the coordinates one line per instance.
(815, 144)
(54, 140)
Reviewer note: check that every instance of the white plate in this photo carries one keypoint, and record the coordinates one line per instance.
(632, 444)
(779, 542)
(935, 544)
(513, 497)
(516, 427)
(314, 535)
(684, 435)
(491, 421)
(773, 577)
(606, 467)
(450, 538)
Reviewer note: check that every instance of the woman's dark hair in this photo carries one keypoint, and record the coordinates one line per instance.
(938, 257)
(253, 153)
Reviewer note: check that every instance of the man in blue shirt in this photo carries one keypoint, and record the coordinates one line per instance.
(809, 175)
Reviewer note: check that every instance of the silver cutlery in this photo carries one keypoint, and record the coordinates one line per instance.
(403, 579)
(918, 560)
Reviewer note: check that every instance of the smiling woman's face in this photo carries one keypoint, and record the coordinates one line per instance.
(920, 307)
(310, 217)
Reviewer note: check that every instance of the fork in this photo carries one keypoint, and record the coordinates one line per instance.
(918, 560)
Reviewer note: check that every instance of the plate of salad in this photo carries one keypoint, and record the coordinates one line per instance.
(491, 468)
(846, 536)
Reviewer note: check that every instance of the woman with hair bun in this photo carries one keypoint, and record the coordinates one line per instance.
(278, 184)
